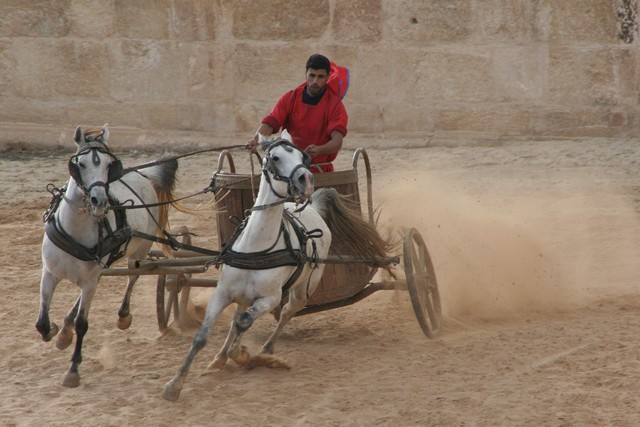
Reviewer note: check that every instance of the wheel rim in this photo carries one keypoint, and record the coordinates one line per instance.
(422, 284)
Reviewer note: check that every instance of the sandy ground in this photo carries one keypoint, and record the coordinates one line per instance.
(536, 248)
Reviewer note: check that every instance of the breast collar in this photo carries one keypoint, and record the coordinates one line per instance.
(109, 243)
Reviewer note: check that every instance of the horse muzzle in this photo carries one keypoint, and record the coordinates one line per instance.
(302, 184)
(98, 199)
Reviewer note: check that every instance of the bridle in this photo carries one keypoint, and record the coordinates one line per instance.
(270, 170)
(95, 146)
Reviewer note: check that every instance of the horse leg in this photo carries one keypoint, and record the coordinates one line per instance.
(238, 353)
(48, 283)
(65, 337)
(218, 302)
(221, 358)
(72, 378)
(124, 316)
(297, 301)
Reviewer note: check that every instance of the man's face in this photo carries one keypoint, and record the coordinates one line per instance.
(316, 80)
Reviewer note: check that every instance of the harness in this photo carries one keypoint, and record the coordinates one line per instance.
(110, 242)
(269, 258)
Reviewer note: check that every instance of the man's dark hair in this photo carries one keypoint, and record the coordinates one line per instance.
(318, 62)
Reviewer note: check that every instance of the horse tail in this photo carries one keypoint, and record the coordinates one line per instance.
(351, 234)
(164, 178)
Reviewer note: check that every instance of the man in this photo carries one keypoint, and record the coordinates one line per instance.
(313, 114)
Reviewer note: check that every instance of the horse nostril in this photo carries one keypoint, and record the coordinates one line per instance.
(94, 201)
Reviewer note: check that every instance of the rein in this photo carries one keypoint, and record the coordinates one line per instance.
(210, 188)
(178, 156)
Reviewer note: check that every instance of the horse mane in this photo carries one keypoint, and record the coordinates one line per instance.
(351, 234)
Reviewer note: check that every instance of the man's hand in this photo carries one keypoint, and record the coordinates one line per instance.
(312, 150)
(251, 145)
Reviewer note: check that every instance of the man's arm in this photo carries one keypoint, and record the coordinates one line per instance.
(332, 146)
(264, 130)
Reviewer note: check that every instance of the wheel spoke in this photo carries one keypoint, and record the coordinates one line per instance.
(421, 283)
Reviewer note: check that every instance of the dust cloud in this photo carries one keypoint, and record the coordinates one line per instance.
(513, 255)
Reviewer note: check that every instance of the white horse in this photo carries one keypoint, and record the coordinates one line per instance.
(83, 234)
(275, 228)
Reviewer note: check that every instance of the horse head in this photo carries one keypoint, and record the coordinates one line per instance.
(286, 164)
(94, 167)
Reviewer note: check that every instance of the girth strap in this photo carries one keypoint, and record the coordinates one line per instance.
(269, 258)
(248, 261)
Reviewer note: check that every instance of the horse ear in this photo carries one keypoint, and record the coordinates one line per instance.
(79, 136)
(263, 141)
(285, 135)
(105, 133)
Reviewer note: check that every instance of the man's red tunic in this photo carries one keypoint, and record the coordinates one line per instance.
(310, 124)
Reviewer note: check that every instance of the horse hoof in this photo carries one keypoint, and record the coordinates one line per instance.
(241, 357)
(125, 322)
(65, 338)
(52, 333)
(71, 380)
(170, 392)
(218, 363)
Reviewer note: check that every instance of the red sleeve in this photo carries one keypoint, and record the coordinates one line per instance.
(338, 119)
(277, 119)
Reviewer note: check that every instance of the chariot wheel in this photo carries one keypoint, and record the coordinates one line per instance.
(172, 298)
(421, 283)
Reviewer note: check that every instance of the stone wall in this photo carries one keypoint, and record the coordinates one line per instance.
(196, 72)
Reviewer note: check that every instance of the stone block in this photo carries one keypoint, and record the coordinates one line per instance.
(376, 78)
(196, 117)
(148, 70)
(142, 19)
(504, 20)
(7, 67)
(210, 70)
(286, 20)
(91, 18)
(518, 72)
(20, 18)
(431, 21)
(60, 69)
(257, 77)
(572, 122)
(589, 76)
(166, 116)
(577, 21)
(249, 115)
(503, 119)
(96, 114)
(407, 117)
(618, 119)
(193, 20)
(227, 119)
(357, 21)
(367, 118)
(462, 75)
